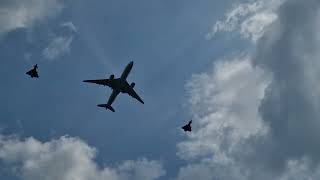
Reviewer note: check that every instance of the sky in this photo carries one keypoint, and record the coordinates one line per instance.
(245, 71)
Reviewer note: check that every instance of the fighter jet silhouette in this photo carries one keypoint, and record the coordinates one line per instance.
(187, 127)
(118, 85)
(33, 72)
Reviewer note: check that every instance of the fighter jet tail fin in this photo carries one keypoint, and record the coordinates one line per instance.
(106, 106)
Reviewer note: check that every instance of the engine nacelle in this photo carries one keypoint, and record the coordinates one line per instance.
(111, 76)
(132, 85)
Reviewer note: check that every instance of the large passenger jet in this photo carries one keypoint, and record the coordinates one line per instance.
(118, 85)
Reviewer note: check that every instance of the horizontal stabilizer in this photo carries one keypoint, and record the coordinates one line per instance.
(89, 81)
(106, 106)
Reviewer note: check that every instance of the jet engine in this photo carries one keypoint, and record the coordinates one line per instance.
(111, 76)
(132, 85)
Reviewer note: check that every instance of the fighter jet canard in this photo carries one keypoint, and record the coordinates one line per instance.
(117, 85)
(33, 73)
(187, 127)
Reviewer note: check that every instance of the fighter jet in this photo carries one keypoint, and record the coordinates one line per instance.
(118, 85)
(187, 127)
(33, 72)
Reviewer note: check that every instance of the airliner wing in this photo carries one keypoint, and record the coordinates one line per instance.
(105, 82)
(129, 90)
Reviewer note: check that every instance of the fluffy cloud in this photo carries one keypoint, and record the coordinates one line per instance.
(66, 159)
(23, 14)
(262, 123)
(250, 19)
(225, 105)
(60, 44)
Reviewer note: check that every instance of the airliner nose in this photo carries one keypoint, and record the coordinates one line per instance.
(131, 63)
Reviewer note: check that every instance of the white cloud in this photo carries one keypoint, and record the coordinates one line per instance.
(286, 105)
(16, 14)
(60, 44)
(68, 158)
(250, 19)
(225, 105)
(225, 100)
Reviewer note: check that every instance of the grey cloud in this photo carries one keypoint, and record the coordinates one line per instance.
(290, 51)
(69, 25)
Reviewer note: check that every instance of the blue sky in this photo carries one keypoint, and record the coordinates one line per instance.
(165, 39)
(207, 60)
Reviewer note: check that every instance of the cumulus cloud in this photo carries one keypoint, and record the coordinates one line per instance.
(250, 19)
(16, 14)
(271, 129)
(60, 44)
(225, 105)
(68, 158)
(223, 101)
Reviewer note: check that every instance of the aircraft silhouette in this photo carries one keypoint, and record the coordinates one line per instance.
(33, 72)
(187, 127)
(118, 85)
